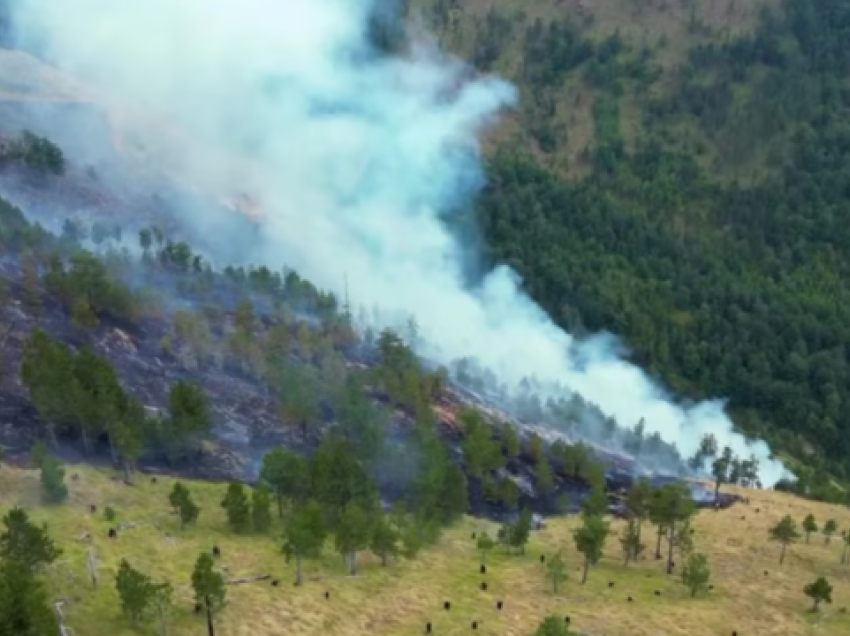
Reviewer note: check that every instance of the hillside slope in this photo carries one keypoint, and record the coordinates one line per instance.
(676, 173)
(752, 594)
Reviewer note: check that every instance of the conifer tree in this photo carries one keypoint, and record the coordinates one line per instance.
(809, 526)
(784, 532)
(238, 508)
(261, 515)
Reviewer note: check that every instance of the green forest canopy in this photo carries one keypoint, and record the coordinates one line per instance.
(706, 218)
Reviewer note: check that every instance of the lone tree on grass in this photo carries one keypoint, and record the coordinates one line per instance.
(135, 590)
(829, 529)
(556, 570)
(590, 541)
(484, 544)
(696, 574)
(809, 526)
(210, 591)
(819, 591)
(785, 532)
(53, 480)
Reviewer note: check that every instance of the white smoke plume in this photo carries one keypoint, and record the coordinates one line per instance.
(352, 159)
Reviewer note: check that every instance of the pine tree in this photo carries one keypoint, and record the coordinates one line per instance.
(638, 502)
(544, 476)
(590, 541)
(819, 591)
(385, 539)
(596, 503)
(352, 534)
(208, 584)
(556, 571)
(829, 529)
(630, 540)
(23, 542)
(286, 474)
(521, 531)
(696, 574)
(304, 535)
(135, 591)
(484, 544)
(238, 509)
(189, 413)
(785, 532)
(53, 480)
(25, 608)
(261, 515)
(553, 626)
(181, 501)
(720, 469)
(809, 526)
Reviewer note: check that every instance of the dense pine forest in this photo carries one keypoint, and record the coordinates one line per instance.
(683, 188)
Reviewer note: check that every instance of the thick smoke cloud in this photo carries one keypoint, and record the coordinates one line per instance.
(353, 159)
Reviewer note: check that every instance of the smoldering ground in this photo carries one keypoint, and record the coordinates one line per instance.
(353, 157)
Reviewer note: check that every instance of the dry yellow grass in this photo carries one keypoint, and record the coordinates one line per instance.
(400, 599)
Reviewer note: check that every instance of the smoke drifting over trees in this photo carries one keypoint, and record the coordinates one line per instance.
(356, 159)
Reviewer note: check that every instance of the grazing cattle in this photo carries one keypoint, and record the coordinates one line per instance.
(765, 572)
(198, 608)
(543, 558)
(474, 624)
(610, 583)
(657, 592)
(75, 476)
(499, 605)
(275, 582)
(484, 586)
(447, 606)
(216, 551)
(427, 628)
(327, 596)
(743, 517)
(630, 599)
(710, 587)
(93, 508)
(112, 533)
(758, 510)
(483, 569)
(474, 536)
(566, 619)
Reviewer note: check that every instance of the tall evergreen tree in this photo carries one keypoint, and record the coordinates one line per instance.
(238, 508)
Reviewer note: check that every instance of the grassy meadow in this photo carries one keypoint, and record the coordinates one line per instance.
(401, 598)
